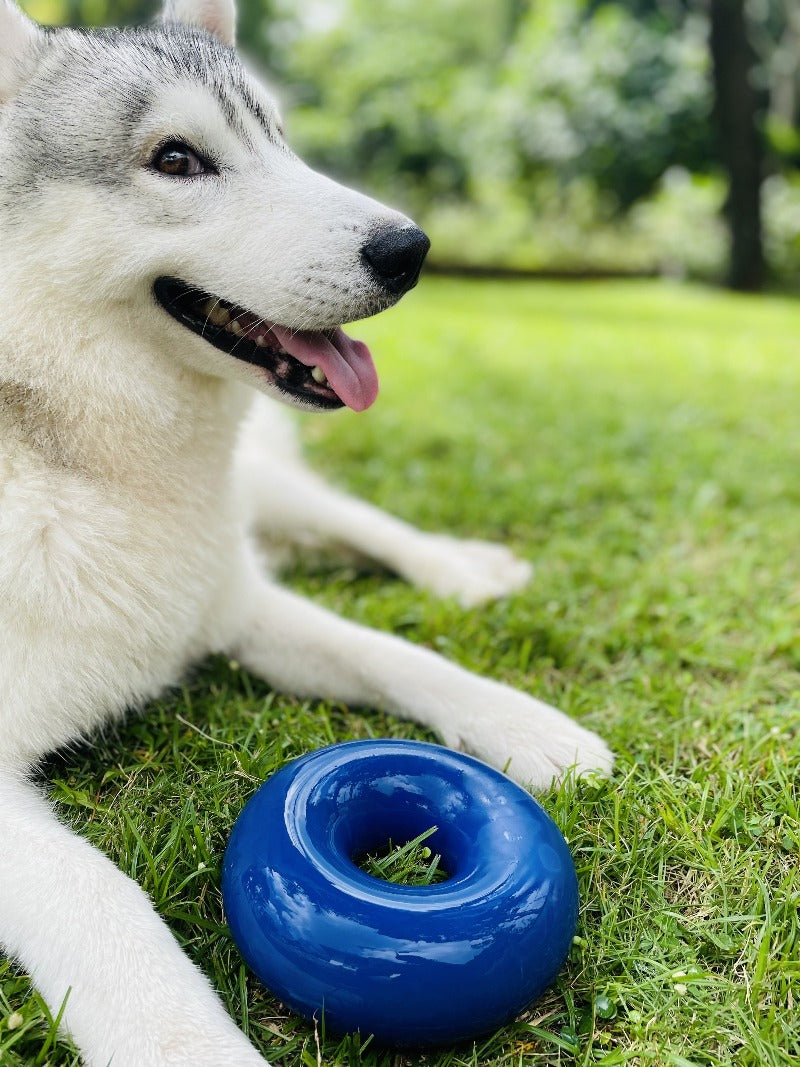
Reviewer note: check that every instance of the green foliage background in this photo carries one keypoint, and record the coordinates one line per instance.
(534, 134)
(565, 135)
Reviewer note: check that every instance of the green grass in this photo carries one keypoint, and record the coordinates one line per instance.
(641, 444)
(409, 863)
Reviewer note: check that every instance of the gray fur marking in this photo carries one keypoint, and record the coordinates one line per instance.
(92, 89)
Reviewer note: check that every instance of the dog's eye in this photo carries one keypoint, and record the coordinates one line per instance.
(179, 161)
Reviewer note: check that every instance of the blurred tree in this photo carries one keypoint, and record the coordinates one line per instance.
(519, 110)
(444, 100)
(398, 91)
(739, 138)
(668, 14)
(257, 20)
(90, 12)
(774, 27)
(755, 51)
(611, 95)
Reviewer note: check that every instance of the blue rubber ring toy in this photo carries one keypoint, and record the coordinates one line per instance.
(413, 965)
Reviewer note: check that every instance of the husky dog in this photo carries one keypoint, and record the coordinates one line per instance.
(164, 257)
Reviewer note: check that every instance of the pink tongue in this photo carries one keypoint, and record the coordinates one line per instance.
(347, 363)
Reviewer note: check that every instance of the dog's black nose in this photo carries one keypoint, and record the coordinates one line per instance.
(395, 257)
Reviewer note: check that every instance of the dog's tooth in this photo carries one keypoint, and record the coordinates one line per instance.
(260, 341)
(319, 376)
(218, 315)
(236, 328)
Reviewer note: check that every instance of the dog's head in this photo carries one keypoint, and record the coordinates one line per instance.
(147, 169)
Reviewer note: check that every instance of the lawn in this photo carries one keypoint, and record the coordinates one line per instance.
(640, 443)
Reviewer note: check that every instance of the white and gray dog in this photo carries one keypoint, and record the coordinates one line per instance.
(163, 257)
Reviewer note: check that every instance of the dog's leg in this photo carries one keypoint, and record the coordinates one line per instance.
(288, 501)
(303, 649)
(92, 941)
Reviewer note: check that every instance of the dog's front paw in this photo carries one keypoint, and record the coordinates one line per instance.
(532, 742)
(570, 749)
(470, 571)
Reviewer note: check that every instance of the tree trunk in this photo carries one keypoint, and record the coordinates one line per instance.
(739, 140)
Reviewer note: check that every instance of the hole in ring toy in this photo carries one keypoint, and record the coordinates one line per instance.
(413, 965)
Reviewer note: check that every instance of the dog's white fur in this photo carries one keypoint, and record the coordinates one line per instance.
(131, 477)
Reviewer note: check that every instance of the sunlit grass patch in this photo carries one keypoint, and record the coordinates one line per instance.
(639, 443)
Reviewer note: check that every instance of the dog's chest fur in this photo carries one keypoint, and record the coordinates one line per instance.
(109, 561)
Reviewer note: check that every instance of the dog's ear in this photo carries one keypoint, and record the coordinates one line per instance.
(216, 16)
(19, 42)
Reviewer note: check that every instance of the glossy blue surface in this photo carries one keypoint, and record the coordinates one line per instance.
(413, 965)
